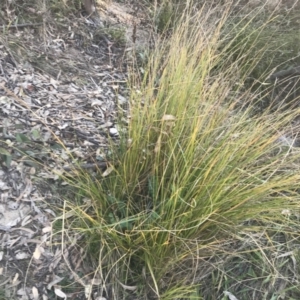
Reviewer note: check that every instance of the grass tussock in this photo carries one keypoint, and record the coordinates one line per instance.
(194, 170)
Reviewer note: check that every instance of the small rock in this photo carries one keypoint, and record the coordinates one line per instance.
(113, 132)
(122, 100)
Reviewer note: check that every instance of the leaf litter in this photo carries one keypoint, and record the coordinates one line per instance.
(58, 106)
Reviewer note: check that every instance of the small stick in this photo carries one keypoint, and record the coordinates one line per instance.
(99, 165)
(285, 73)
(20, 25)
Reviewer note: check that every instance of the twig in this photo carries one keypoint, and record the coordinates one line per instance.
(285, 73)
(99, 165)
(20, 25)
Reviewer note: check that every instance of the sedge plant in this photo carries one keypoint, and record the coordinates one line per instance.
(193, 168)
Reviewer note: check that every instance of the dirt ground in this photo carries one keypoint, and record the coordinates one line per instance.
(57, 86)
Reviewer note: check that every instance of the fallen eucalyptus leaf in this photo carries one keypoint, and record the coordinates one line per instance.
(22, 138)
(4, 152)
(60, 293)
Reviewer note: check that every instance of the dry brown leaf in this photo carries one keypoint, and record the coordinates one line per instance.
(127, 287)
(60, 293)
(56, 280)
(15, 280)
(37, 252)
(26, 221)
(107, 171)
(47, 229)
(22, 255)
(96, 102)
(168, 118)
(88, 290)
(35, 293)
(230, 295)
